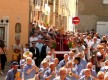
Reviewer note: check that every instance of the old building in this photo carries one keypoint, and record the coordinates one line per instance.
(14, 22)
(56, 13)
(91, 12)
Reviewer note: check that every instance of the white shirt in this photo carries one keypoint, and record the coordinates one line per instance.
(88, 42)
(26, 49)
(19, 46)
(39, 46)
(41, 26)
(47, 49)
(94, 45)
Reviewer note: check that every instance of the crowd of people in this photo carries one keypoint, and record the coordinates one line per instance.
(87, 58)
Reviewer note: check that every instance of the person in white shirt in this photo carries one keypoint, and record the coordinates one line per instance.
(17, 45)
(62, 76)
(32, 38)
(94, 44)
(41, 26)
(88, 42)
(26, 48)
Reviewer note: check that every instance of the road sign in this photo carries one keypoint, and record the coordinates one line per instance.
(75, 20)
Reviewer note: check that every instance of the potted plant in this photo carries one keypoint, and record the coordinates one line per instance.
(70, 45)
(54, 45)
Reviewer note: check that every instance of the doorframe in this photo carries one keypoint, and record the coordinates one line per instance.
(6, 36)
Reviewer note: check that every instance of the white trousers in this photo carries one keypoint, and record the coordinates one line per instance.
(32, 78)
(88, 54)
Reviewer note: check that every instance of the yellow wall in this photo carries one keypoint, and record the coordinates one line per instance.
(69, 9)
(15, 9)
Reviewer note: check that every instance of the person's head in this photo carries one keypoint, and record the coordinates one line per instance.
(39, 40)
(80, 55)
(29, 60)
(79, 43)
(106, 63)
(32, 34)
(33, 43)
(27, 45)
(52, 66)
(2, 44)
(94, 39)
(38, 28)
(66, 57)
(100, 75)
(52, 50)
(47, 42)
(69, 64)
(74, 50)
(77, 60)
(42, 40)
(35, 34)
(56, 61)
(103, 37)
(88, 37)
(87, 72)
(17, 41)
(89, 65)
(100, 47)
(15, 65)
(44, 64)
(71, 54)
(48, 58)
(63, 73)
(103, 44)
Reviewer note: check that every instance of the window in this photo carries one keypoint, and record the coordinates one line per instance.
(38, 2)
(4, 30)
(2, 33)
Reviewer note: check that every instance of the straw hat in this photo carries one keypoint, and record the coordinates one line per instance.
(26, 54)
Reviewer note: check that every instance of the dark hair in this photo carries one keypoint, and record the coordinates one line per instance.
(2, 45)
(26, 44)
(78, 59)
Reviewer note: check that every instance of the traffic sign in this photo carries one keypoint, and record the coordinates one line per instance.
(76, 20)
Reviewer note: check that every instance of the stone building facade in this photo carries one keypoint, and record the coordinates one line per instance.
(90, 12)
(60, 12)
(14, 22)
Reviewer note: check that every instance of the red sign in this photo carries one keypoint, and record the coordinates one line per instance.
(75, 20)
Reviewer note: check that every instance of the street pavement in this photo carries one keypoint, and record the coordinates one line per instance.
(7, 67)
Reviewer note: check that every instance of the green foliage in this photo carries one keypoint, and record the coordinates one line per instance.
(70, 44)
(54, 45)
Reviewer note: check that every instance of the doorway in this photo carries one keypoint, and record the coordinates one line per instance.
(3, 33)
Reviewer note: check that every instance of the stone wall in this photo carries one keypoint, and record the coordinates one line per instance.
(91, 11)
(87, 22)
